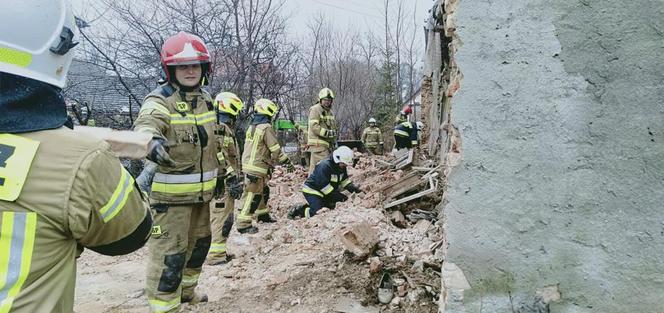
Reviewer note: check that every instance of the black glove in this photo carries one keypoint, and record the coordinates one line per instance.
(330, 133)
(352, 188)
(158, 152)
(219, 188)
(289, 166)
(338, 197)
(252, 179)
(234, 187)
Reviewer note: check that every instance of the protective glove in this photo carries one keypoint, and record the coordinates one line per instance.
(158, 152)
(337, 196)
(288, 165)
(330, 133)
(144, 180)
(352, 188)
(219, 188)
(234, 185)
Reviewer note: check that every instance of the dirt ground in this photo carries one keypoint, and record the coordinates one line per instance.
(292, 265)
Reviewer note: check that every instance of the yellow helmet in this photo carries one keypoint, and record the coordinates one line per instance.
(325, 93)
(228, 102)
(267, 107)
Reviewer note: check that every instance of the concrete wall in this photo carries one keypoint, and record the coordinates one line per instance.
(561, 112)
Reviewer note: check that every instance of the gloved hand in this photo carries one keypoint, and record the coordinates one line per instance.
(337, 196)
(158, 152)
(219, 188)
(234, 185)
(352, 188)
(289, 167)
(330, 133)
(252, 179)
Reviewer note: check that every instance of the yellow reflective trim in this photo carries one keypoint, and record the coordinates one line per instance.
(283, 158)
(262, 212)
(152, 105)
(407, 124)
(345, 183)
(246, 207)
(220, 156)
(255, 140)
(184, 188)
(15, 57)
(190, 280)
(218, 248)
(230, 170)
(254, 168)
(119, 197)
(334, 178)
(413, 142)
(401, 133)
(322, 132)
(274, 148)
(16, 155)
(158, 306)
(311, 191)
(312, 141)
(307, 212)
(327, 189)
(17, 238)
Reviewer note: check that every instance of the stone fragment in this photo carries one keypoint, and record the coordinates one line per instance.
(360, 239)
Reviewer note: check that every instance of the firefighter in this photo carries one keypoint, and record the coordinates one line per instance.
(322, 134)
(261, 152)
(403, 114)
(180, 116)
(60, 191)
(372, 138)
(228, 106)
(324, 186)
(405, 135)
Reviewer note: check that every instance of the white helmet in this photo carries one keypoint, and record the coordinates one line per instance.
(36, 39)
(420, 125)
(343, 154)
(372, 120)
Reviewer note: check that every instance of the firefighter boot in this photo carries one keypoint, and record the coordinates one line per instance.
(265, 218)
(195, 298)
(296, 211)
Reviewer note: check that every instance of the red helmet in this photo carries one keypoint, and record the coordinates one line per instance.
(407, 110)
(184, 49)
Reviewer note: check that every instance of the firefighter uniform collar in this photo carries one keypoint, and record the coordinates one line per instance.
(225, 118)
(260, 119)
(29, 105)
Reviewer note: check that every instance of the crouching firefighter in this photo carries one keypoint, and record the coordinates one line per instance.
(405, 135)
(180, 116)
(228, 106)
(323, 187)
(261, 153)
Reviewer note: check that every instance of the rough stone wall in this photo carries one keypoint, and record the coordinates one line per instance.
(558, 205)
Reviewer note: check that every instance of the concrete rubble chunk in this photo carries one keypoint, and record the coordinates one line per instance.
(399, 220)
(360, 239)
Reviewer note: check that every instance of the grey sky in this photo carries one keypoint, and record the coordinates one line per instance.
(344, 14)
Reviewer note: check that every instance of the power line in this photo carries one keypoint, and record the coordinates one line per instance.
(347, 9)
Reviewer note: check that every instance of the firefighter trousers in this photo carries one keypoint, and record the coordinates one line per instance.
(317, 154)
(316, 203)
(178, 246)
(221, 220)
(375, 150)
(402, 142)
(254, 200)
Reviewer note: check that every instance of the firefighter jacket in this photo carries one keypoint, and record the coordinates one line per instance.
(261, 148)
(187, 121)
(407, 130)
(326, 178)
(372, 137)
(60, 189)
(228, 152)
(322, 133)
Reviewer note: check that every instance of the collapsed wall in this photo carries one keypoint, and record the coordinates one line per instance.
(557, 204)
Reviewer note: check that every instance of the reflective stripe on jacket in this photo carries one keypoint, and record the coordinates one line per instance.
(321, 121)
(407, 130)
(261, 148)
(326, 178)
(372, 136)
(187, 121)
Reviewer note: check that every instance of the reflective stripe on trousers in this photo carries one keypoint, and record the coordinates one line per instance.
(158, 306)
(17, 238)
(187, 183)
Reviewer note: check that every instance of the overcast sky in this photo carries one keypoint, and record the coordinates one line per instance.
(343, 13)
